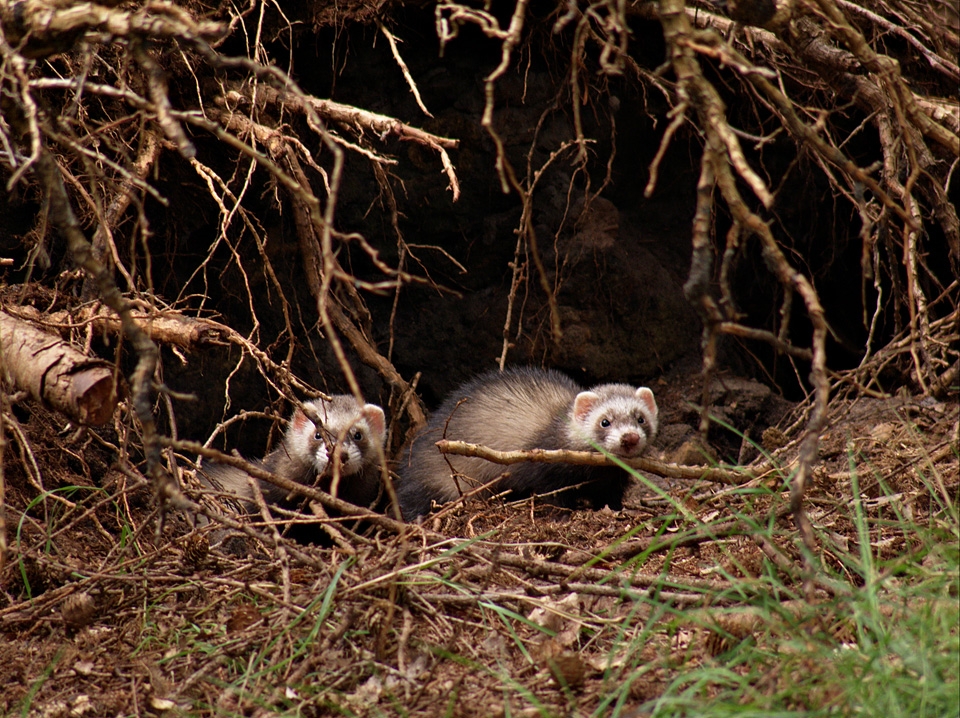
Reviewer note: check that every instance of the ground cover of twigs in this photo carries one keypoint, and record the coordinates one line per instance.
(173, 177)
(690, 601)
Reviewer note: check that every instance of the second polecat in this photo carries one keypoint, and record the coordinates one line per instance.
(350, 432)
(528, 408)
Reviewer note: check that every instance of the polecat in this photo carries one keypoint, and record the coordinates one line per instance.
(352, 432)
(528, 408)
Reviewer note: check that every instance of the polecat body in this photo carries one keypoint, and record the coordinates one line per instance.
(528, 408)
(353, 433)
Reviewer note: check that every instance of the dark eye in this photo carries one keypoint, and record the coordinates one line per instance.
(358, 436)
(604, 423)
(318, 436)
(641, 420)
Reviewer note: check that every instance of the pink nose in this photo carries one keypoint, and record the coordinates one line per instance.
(629, 441)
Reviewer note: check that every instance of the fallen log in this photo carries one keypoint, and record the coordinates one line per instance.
(52, 371)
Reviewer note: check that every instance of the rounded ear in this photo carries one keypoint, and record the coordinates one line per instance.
(376, 419)
(583, 405)
(646, 397)
(299, 421)
(299, 434)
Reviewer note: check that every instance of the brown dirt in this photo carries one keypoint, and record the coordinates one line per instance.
(127, 615)
(111, 606)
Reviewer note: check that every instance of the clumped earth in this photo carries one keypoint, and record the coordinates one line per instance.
(484, 610)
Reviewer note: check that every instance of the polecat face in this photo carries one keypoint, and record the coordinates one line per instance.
(352, 434)
(526, 408)
(617, 418)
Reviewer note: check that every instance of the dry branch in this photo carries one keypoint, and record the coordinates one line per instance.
(41, 28)
(26, 121)
(314, 231)
(328, 501)
(162, 326)
(103, 240)
(64, 219)
(888, 72)
(56, 373)
(316, 266)
(880, 92)
(358, 119)
(364, 597)
(722, 154)
(592, 458)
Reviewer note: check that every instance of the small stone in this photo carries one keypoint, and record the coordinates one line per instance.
(162, 704)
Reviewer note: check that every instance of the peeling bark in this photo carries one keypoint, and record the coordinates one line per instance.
(56, 373)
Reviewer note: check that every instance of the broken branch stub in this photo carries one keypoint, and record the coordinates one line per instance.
(167, 327)
(56, 373)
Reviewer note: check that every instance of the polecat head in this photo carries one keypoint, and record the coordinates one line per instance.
(353, 432)
(617, 418)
